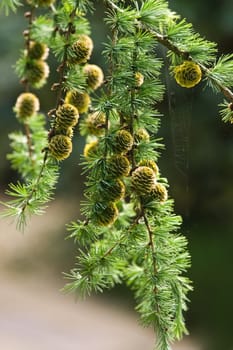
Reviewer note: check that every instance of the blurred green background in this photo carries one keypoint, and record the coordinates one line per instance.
(198, 162)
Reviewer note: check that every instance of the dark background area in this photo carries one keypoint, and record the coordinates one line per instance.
(198, 162)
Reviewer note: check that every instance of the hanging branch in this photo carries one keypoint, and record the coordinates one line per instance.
(71, 50)
(164, 40)
(186, 56)
(27, 34)
(124, 190)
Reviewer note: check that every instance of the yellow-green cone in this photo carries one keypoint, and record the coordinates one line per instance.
(159, 192)
(27, 104)
(60, 147)
(123, 141)
(143, 180)
(118, 166)
(188, 74)
(95, 123)
(105, 213)
(67, 116)
(111, 190)
(81, 50)
(80, 100)
(151, 164)
(141, 135)
(37, 72)
(37, 51)
(95, 76)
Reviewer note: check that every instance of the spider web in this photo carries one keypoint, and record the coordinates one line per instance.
(180, 110)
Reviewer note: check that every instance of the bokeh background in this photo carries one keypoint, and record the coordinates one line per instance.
(198, 162)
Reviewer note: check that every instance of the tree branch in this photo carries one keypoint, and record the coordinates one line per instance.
(151, 242)
(163, 40)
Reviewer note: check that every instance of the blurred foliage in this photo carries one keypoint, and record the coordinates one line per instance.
(198, 160)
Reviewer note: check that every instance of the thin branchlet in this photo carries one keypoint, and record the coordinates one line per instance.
(151, 241)
(30, 16)
(163, 40)
(186, 56)
(63, 66)
(132, 102)
(35, 186)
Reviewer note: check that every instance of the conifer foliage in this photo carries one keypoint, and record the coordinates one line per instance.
(130, 233)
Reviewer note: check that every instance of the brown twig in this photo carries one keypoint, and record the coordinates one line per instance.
(62, 67)
(151, 242)
(29, 15)
(33, 190)
(29, 140)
